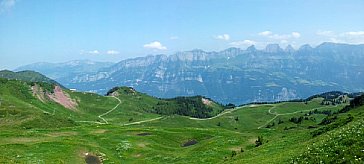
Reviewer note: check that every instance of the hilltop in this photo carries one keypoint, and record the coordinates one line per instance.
(28, 76)
(195, 106)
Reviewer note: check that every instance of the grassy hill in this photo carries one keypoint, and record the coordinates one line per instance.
(29, 76)
(131, 127)
(196, 106)
(20, 109)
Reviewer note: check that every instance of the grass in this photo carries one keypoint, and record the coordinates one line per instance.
(29, 135)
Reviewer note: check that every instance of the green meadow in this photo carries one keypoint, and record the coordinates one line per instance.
(124, 127)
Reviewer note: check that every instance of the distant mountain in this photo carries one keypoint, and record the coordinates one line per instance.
(235, 75)
(28, 76)
(62, 72)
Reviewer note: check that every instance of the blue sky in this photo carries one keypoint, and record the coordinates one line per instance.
(107, 30)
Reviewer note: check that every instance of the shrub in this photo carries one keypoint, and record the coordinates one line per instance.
(259, 141)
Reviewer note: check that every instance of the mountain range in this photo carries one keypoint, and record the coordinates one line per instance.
(229, 76)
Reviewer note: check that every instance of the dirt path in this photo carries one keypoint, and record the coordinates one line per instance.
(101, 116)
(104, 114)
(282, 114)
(221, 114)
(139, 122)
(95, 122)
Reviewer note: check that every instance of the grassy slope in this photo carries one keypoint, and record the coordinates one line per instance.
(20, 109)
(117, 142)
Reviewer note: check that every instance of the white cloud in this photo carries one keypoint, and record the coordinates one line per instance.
(112, 52)
(280, 37)
(296, 34)
(97, 52)
(265, 33)
(271, 35)
(243, 43)
(355, 37)
(354, 33)
(155, 45)
(351, 37)
(223, 37)
(6, 5)
(94, 52)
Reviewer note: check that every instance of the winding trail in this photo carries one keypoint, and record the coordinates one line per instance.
(101, 116)
(282, 114)
(202, 119)
(106, 113)
(95, 122)
(269, 111)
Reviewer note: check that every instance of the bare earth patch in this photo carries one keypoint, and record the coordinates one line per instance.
(142, 145)
(24, 140)
(137, 155)
(115, 94)
(62, 98)
(206, 101)
(98, 131)
(237, 149)
(38, 93)
(252, 140)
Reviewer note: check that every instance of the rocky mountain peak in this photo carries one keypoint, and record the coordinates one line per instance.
(273, 48)
(231, 52)
(305, 47)
(251, 48)
(289, 49)
(196, 54)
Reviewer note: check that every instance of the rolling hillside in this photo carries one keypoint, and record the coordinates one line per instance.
(35, 100)
(127, 126)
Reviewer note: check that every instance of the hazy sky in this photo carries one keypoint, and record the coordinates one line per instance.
(107, 30)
